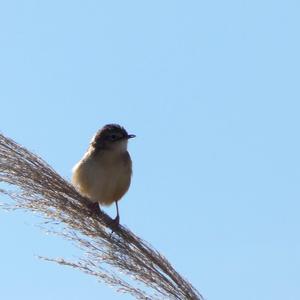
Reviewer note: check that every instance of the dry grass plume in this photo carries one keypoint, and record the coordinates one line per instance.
(121, 260)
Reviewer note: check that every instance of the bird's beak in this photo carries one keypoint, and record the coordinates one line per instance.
(130, 136)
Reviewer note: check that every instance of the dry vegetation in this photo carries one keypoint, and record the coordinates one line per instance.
(121, 259)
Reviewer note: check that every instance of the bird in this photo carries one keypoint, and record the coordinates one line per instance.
(103, 175)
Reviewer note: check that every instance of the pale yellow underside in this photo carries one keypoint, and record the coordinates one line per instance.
(104, 177)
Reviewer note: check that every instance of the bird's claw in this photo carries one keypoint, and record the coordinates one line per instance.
(114, 224)
(94, 207)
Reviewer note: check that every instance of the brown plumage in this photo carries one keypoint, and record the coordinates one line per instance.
(103, 175)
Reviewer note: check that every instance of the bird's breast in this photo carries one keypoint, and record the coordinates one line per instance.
(103, 177)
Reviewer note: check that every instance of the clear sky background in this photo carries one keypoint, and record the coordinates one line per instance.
(210, 88)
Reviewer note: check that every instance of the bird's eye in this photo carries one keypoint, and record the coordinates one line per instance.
(113, 136)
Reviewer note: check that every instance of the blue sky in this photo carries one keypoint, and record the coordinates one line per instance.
(210, 88)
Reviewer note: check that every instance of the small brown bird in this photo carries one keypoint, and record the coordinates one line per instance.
(103, 175)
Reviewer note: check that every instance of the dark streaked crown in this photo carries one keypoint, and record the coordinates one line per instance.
(108, 134)
(112, 129)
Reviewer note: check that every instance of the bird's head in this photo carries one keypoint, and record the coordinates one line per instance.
(111, 137)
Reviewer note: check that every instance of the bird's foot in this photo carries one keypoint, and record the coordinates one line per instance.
(114, 224)
(94, 207)
(116, 220)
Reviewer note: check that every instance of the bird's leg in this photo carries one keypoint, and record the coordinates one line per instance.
(94, 207)
(117, 219)
(114, 225)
